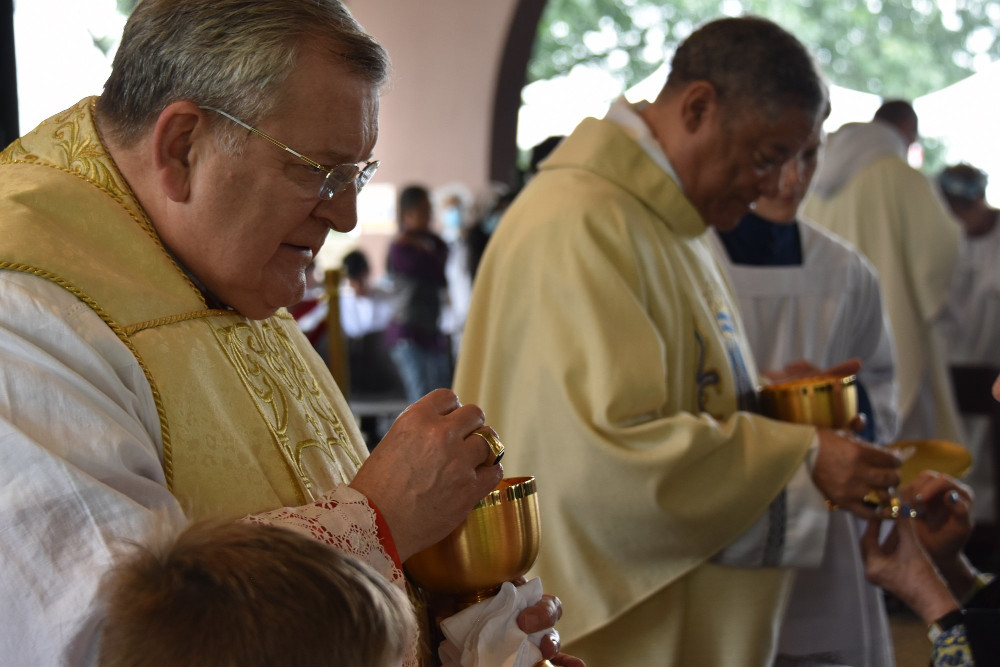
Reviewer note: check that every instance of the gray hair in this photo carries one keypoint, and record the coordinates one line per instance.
(753, 63)
(229, 54)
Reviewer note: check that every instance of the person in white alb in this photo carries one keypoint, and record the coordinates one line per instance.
(971, 320)
(809, 299)
(866, 192)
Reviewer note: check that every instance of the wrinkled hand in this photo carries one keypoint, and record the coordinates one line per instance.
(428, 471)
(902, 567)
(847, 469)
(543, 615)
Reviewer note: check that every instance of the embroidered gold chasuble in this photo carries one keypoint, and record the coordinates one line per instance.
(249, 415)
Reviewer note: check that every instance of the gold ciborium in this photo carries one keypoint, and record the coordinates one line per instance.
(497, 542)
(827, 401)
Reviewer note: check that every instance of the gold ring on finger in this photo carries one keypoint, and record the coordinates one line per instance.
(493, 442)
(871, 499)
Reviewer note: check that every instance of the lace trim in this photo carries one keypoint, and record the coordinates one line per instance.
(345, 520)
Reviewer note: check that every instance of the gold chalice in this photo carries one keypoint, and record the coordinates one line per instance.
(827, 401)
(497, 542)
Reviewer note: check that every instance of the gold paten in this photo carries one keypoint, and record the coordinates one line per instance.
(497, 542)
(941, 456)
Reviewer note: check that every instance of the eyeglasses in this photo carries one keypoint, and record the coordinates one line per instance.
(335, 178)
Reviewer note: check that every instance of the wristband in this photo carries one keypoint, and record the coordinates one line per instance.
(946, 623)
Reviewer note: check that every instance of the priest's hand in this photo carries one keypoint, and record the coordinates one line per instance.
(429, 470)
(848, 470)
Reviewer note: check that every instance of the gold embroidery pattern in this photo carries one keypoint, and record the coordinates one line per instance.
(16, 152)
(275, 375)
(82, 154)
(79, 151)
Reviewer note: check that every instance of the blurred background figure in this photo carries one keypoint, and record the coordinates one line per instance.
(364, 308)
(416, 265)
(376, 390)
(456, 306)
(480, 232)
(809, 299)
(311, 312)
(452, 216)
(974, 303)
(971, 321)
(866, 192)
(541, 150)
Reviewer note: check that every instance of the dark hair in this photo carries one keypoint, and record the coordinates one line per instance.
(356, 264)
(752, 62)
(230, 54)
(228, 593)
(542, 150)
(412, 196)
(963, 182)
(896, 112)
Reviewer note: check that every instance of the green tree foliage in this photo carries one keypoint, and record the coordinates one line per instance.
(126, 6)
(893, 48)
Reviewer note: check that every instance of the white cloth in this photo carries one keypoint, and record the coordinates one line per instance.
(486, 634)
(82, 471)
(971, 325)
(852, 148)
(892, 214)
(834, 615)
(972, 315)
(365, 314)
(826, 310)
